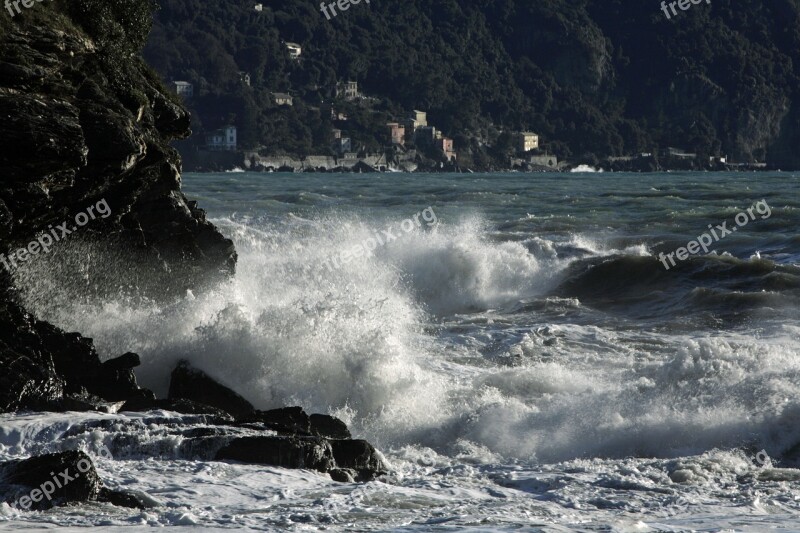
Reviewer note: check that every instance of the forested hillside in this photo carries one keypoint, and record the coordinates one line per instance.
(592, 77)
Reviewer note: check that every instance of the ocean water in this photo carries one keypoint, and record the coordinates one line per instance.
(513, 344)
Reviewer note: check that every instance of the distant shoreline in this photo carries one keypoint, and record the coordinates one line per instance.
(599, 171)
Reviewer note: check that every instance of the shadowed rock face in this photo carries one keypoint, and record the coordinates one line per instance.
(83, 120)
(58, 479)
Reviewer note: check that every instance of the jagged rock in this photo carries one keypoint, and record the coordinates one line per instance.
(118, 385)
(287, 452)
(58, 479)
(41, 365)
(100, 125)
(329, 426)
(343, 475)
(126, 361)
(345, 460)
(84, 402)
(115, 380)
(176, 405)
(292, 420)
(195, 385)
(50, 480)
(361, 456)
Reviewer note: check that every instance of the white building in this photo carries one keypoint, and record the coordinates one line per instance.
(283, 99)
(527, 141)
(295, 50)
(183, 88)
(222, 140)
(348, 89)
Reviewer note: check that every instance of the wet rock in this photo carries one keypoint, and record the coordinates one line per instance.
(122, 498)
(287, 452)
(343, 475)
(178, 406)
(329, 426)
(43, 367)
(85, 121)
(99, 123)
(57, 479)
(291, 420)
(126, 361)
(361, 456)
(192, 384)
(50, 480)
(85, 402)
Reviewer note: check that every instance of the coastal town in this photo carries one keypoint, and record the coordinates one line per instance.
(408, 142)
(411, 144)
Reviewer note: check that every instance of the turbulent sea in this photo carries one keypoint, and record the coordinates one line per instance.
(517, 351)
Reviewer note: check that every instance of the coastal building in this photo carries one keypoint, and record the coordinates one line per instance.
(397, 133)
(425, 135)
(343, 145)
(347, 89)
(222, 140)
(526, 141)
(679, 154)
(183, 88)
(283, 99)
(420, 119)
(445, 144)
(295, 50)
(337, 115)
(337, 134)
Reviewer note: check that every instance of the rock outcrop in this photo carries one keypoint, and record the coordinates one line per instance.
(317, 442)
(57, 479)
(86, 124)
(84, 120)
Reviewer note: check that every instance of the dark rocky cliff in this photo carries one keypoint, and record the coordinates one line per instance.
(86, 125)
(84, 120)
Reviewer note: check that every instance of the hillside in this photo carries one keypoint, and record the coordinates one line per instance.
(593, 78)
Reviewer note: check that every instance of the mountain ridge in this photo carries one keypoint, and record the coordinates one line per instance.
(594, 79)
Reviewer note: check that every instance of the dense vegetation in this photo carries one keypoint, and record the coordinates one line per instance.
(593, 77)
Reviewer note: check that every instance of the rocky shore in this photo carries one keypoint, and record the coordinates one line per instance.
(84, 120)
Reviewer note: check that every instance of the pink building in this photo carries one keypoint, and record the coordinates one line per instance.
(398, 133)
(445, 144)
